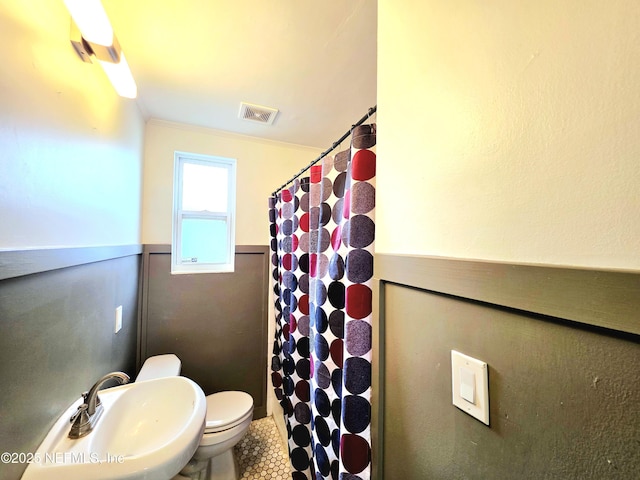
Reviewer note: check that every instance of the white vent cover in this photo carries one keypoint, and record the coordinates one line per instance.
(257, 113)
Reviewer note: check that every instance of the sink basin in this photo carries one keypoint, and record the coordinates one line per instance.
(149, 430)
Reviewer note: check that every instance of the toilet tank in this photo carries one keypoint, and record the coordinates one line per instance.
(159, 366)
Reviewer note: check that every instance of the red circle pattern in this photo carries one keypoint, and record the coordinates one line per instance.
(323, 314)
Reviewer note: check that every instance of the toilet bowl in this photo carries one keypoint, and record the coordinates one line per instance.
(229, 415)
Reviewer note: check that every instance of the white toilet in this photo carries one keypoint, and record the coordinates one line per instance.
(229, 415)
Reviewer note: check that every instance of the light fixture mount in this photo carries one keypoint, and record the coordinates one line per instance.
(80, 45)
(84, 49)
(92, 36)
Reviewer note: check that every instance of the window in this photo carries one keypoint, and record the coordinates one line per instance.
(204, 204)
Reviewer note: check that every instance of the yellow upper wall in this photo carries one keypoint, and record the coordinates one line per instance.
(509, 130)
(262, 166)
(70, 148)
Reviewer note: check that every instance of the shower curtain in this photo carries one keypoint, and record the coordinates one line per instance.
(322, 238)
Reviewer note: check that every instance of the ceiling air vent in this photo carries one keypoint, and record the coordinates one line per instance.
(257, 113)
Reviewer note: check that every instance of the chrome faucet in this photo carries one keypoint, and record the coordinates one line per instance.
(83, 421)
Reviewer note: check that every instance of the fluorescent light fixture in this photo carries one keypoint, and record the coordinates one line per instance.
(120, 77)
(99, 40)
(92, 21)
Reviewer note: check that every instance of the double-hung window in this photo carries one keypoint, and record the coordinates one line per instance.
(204, 202)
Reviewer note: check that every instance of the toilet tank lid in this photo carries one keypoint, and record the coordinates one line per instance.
(227, 407)
(159, 366)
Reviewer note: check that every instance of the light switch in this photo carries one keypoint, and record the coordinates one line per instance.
(470, 385)
(467, 384)
(118, 324)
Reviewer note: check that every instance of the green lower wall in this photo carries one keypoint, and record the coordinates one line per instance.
(564, 398)
(57, 339)
(216, 323)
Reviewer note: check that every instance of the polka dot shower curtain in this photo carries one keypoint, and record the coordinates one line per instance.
(322, 238)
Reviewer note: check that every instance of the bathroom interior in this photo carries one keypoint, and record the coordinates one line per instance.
(506, 216)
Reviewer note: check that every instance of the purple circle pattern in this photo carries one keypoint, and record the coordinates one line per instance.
(322, 237)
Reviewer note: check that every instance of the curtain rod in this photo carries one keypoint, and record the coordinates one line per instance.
(335, 144)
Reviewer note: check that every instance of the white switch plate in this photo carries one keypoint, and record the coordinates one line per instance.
(118, 319)
(465, 369)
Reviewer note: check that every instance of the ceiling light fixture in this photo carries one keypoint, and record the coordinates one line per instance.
(92, 34)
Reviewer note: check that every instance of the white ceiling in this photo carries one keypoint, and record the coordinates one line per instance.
(195, 60)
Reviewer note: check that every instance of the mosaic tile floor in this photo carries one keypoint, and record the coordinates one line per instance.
(261, 454)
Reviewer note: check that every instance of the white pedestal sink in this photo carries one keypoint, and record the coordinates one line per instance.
(149, 430)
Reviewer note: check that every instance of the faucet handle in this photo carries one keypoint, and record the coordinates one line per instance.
(80, 422)
(81, 416)
(85, 399)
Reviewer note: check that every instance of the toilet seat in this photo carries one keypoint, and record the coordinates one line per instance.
(226, 410)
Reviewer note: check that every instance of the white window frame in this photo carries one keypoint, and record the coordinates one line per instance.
(178, 266)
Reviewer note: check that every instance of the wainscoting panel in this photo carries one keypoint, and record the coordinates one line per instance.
(564, 392)
(216, 323)
(57, 315)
